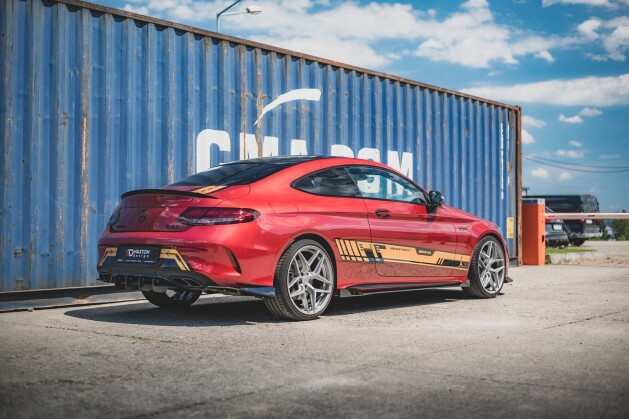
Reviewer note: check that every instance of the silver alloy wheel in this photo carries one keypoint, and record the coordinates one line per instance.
(491, 267)
(310, 280)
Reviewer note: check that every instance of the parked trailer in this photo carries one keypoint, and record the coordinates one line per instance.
(97, 101)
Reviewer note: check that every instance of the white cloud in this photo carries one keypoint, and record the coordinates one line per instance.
(603, 3)
(141, 10)
(353, 31)
(576, 143)
(573, 154)
(589, 28)
(571, 119)
(565, 176)
(590, 112)
(587, 91)
(617, 42)
(469, 37)
(545, 55)
(527, 138)
(529, 121)
(540, 172)
(576, 119)
(609, 156)
(613, 35)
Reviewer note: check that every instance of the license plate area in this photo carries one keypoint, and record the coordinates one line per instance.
(557, 227)
(138, 255)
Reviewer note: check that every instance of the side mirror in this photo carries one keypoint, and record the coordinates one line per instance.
(436, 199)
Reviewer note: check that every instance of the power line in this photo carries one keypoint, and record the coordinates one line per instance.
(574, 188)
(530, 156)
(581, 168)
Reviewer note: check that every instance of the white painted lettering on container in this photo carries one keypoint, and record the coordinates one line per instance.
(249, 147)
(298, 94)
(205, 140)
(298, 148)
(209, 139)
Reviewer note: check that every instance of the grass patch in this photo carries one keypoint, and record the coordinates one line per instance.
(557, 251)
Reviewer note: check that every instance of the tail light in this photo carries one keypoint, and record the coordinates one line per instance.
(217, 216)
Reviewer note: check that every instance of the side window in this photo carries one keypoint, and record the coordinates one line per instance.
(378, 183)
(331, 182)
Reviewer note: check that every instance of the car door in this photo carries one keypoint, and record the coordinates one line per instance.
(336, 209)
(409, 238)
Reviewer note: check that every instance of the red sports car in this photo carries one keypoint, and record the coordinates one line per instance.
(295, 231)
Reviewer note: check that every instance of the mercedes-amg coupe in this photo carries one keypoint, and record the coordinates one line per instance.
(296, 231)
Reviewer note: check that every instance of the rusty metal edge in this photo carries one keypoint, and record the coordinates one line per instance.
(518, 159)
(98, 288)
(269, 48)
(64, 297)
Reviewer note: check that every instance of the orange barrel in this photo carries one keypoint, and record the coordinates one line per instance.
(533, 231)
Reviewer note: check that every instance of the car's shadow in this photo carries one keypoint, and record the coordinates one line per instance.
(228, 311)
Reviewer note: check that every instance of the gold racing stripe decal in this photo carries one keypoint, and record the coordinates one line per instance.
(362, 251)
(209, 189)
(174, 254)
(110, 251)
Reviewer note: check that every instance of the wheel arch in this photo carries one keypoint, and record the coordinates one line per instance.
(323, 242)
(503, 245)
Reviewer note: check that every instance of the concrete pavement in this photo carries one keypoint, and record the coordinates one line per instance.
(555, 344)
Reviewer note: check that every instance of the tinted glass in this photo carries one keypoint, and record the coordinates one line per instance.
(331, 182)
(564, 204)
(378, 183)
(234, 174)
(590, 204)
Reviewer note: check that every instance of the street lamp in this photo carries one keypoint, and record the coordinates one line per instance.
(254, 10)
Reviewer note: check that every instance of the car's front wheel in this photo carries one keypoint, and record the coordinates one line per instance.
(487, 269)
(305, 281)
(172, 299)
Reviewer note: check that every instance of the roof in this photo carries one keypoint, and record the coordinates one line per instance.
(278, 160)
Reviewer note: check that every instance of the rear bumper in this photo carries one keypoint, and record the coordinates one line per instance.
(146, 279)
(556, 239)
(172, 271)
(574, 235)
(238, 255)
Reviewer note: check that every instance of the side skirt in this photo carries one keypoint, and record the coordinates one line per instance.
(368, 289)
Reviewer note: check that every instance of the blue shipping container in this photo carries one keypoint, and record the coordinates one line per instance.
(96, 101)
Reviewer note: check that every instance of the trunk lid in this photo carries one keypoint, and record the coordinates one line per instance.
(157, 210)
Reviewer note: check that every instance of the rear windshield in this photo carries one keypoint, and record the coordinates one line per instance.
(564, 204)
(233, 174)
(590, 204)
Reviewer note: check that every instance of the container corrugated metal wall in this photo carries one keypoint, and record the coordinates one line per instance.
(96, 102)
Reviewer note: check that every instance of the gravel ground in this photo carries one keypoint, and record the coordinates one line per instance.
(596, 253)
(554, 344)
(615, 251)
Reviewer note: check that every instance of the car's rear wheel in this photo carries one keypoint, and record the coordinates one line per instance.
(577, 242)
(305, 281)
(172, 299)
(487, 269)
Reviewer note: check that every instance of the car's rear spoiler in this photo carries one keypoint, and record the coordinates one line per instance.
(165, 192)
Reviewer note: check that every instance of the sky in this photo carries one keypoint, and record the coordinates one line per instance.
(563, 61)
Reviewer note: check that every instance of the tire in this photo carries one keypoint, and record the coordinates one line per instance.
(577, 242)
(172, 299)
(305, 281)
(487, 269)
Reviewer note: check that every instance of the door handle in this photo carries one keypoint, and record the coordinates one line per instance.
(383, 213)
